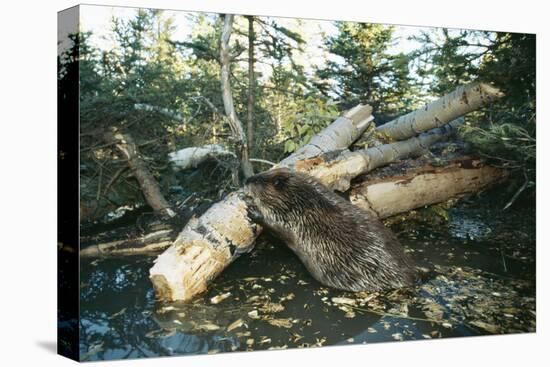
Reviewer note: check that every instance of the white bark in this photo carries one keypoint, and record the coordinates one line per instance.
(338, 135)
(461, 101)
(193, 156)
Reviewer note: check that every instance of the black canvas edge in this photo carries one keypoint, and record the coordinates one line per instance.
(68, 243)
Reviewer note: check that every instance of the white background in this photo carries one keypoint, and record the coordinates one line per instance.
(28, 182)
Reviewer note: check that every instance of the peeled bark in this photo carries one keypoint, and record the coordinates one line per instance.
(421, 186)
(227, 96)
(149, 186)
(459, 102)
(337, 172)
(209, 244)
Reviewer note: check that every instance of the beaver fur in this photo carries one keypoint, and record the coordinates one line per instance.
(341, 246)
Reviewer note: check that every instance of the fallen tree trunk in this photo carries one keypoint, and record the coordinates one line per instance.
(337, 172)
(148, 243)
(210, 243)
(459, 102)
(193, 156)
(149, 186)
(425, 185)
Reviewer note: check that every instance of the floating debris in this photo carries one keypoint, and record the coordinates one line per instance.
(493, 329)
(253, 314)
(117, 313)
(343, 301)
(286, 323)
(397, 336)
(217, 299)
(272, 307)
(93, 349)
(236, 324)
(209, 327)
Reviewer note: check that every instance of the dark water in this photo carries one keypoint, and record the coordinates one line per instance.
(483, 283)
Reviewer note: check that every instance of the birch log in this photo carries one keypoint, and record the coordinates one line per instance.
(338, 135)
(422, 186)
(193, 156)
(337, 172)
(459, 102)
(210, 243)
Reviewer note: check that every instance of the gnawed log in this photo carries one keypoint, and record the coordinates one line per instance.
(149, 186)
(459, 102)
(337, 172)
(425, 185)
(203, 249)
(209, 244)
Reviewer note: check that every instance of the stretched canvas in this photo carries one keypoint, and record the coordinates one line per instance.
(232, 183)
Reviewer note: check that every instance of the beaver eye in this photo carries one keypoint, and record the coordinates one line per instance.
(280, 182)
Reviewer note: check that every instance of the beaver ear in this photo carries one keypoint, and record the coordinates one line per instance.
(280, 182)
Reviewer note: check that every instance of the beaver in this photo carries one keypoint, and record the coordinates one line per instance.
(341, 245)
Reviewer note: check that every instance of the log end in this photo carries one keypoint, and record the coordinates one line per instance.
(358, 113)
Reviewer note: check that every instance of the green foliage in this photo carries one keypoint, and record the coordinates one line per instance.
(364, 71)
(316, 114)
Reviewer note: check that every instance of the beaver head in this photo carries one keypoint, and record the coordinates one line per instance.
(282, 192)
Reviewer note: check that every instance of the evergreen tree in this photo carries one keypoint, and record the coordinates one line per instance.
(363, 71)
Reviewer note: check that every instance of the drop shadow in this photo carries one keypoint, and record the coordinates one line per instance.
(48, 345)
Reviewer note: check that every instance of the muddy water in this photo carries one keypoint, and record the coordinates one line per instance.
(481, 281)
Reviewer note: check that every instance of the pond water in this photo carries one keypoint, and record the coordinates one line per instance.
(482, 282)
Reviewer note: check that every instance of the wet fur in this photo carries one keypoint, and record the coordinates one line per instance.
(341, 246)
